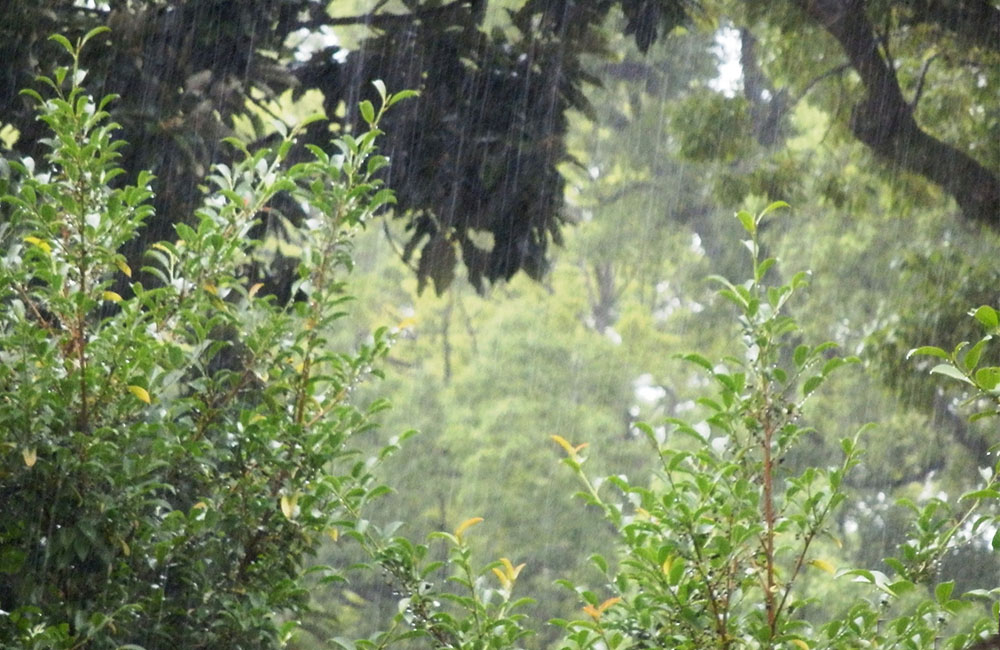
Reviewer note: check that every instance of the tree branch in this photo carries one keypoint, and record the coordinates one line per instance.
(920, 82)
(884, 120)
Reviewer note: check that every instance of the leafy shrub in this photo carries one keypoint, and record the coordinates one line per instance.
(715, 547)
(173, 452)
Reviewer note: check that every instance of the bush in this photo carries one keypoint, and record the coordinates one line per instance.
(173, 452)
(715, 548)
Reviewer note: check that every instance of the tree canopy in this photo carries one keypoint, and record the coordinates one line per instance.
(914, 81)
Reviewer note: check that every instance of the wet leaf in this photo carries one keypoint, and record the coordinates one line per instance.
(466, 525)
(288, 505)
(124, 267)
(943, 591)
(401, 95)
(40, 243)
(987, 316)
(928, 350)
(972, 357)
(800, 355)
(949, 370)
(811, 384)
(823, 565)
(981, 494)
(367, 111)
(140, 393)
(988, 378)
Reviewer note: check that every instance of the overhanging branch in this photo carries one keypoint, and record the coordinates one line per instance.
(884, 120)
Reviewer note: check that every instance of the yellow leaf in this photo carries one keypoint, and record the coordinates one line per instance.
(562, 442)
(465, 525)
(254, 289)
(141, 394)
(823, 565)
(124, 267)
(288, 504)
(504, 580)
(589, 609)
(571, 451)
(406, 323)
(201, 505)
(41, 243)
(669, 562)
(30, 456)
(125, 547)
(210, 288)
(510, 570)
(111, 296)
(607, 603)
(333, 534)
(800, 643)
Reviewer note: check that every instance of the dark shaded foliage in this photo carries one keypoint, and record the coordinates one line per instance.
(478, 153)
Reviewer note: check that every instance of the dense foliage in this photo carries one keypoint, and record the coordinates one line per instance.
(170, 458)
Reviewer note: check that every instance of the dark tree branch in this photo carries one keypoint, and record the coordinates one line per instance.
(920, 82)
(840, 69)
(884, 120)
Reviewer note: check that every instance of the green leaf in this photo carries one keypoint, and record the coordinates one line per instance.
(367, 111)
(800, 355)
(832, 365)
(988, 493)
(747, 220)
(62, 40)
(949, 370)
(400, 96)
(972, 357)
(811, 384)
(92, 33)
(774, 206)
(763, 268)
(800, 279)
(928, 350)
(987, 316)
(698, 360)
(943, 591)
(988, 378)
